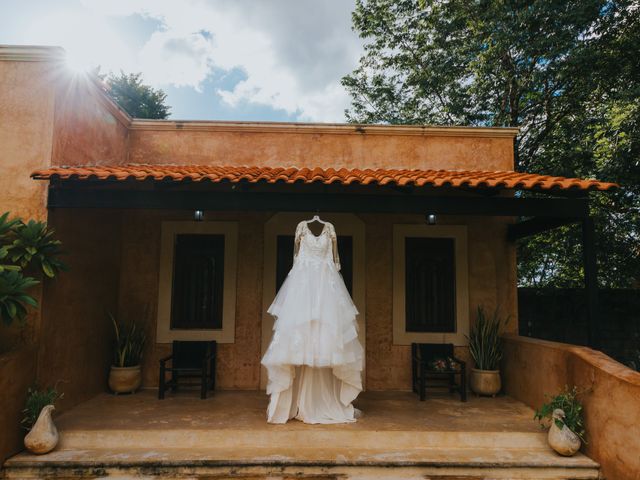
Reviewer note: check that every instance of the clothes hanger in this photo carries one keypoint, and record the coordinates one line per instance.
(316, 218)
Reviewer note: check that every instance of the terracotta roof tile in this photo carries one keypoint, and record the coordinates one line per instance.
(234, 174)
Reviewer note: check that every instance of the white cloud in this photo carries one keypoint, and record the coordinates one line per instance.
(293, 52)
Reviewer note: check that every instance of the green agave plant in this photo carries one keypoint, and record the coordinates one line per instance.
(129, 344)
(485, 345)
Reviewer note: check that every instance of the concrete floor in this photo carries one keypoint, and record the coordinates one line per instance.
(246, 410)
(229, 431)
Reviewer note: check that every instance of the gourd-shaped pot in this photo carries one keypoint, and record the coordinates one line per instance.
(485, 382)
(562, 440)
(43, 436)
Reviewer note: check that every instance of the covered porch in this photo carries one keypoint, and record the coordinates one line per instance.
(120, 222)
(226, 436)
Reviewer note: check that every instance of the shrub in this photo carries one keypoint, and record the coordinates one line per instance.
(36, 400)
(567, 401)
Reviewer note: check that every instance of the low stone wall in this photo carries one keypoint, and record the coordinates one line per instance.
(532, 368)
(17, 373)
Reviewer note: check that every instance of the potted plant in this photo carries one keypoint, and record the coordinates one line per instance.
(125, 375)
(485, 347)
(43, 434)
(563, 415)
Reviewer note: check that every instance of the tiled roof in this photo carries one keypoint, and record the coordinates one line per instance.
(346, 176)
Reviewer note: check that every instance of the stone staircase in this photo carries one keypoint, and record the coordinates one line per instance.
(326, 454)
(226, 436)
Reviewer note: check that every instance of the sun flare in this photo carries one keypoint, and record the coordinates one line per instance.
(88, 39)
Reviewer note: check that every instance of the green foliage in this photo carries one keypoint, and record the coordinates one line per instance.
(568, 402)
(485, 345)
(565, 73)
(24, 246)
(14, 298)
(138, 99)
(128, 345)
(36, 400)
(34, 244)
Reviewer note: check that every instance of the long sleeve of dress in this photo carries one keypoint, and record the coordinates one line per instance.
(334, 246)
(297, 239)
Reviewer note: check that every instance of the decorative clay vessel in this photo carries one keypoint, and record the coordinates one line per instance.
(485, 382)
(43, 436)
(562, 440)
(125, 379)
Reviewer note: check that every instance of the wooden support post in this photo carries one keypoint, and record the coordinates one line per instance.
(590, 280)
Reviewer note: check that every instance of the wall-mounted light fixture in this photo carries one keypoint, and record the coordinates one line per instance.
(198, 215)
(430, 218)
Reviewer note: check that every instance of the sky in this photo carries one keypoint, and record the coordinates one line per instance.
(267, 60)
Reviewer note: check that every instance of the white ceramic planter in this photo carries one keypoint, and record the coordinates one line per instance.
(562, 440)
(43, 436)
(125, 379)
(485, 382)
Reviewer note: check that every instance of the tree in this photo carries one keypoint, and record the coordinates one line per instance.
(139, 100)
(565, 72)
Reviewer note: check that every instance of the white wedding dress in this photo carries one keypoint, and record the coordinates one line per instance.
(314, 361)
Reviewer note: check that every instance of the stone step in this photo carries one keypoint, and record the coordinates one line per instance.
(303, 462)
(283, 438)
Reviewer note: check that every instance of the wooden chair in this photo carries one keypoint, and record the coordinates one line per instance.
(189, 360)
(422, 358)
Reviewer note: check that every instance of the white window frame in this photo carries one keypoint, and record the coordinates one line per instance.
(459, 235)
(169, 231)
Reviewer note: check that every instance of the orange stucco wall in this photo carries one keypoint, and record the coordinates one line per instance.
(238, 365)
(27, 101)
(89, 130)
(169, 142)
(491, 283)
(533, 368)
(76, 333)
(47, 117)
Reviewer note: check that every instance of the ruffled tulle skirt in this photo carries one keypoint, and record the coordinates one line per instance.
(314, 361)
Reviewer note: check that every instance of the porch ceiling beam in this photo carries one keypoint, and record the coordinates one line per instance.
(537, 225)
(328, 202)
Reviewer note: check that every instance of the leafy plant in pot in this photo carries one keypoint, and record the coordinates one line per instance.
(125, 375)
(485, 347)
(39, 406)
(563, 415)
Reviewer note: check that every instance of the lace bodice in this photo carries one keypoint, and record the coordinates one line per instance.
(310, 247)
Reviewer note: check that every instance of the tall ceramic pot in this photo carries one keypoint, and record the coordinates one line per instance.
(485, 382)
(43, 436)
(125, 379)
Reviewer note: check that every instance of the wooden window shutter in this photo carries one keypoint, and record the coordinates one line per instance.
(430, 289)
(198, 282)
